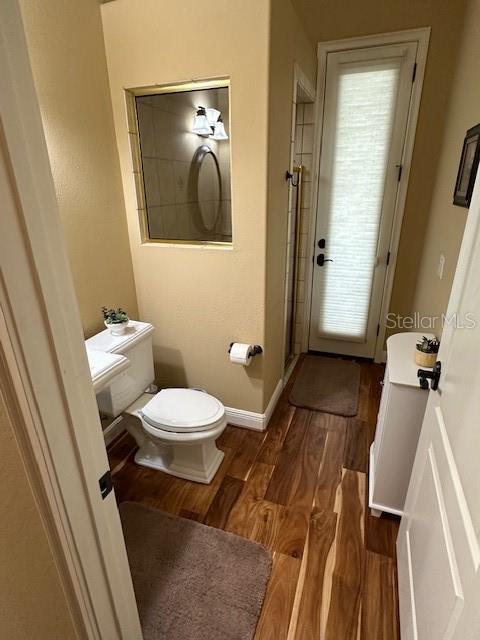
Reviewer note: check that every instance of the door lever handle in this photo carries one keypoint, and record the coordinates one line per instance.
(433, 375)
(321, 259)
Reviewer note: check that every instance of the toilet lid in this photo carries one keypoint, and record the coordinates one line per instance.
(183, 410)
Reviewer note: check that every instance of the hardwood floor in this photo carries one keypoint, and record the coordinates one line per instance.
(300, 489)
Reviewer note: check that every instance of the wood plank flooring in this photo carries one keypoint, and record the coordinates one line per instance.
(300, 489)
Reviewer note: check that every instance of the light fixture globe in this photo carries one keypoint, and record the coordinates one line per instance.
(200, 123)
(212, 115)
(219, 132)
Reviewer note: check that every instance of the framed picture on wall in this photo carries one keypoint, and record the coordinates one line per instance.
(467, 170)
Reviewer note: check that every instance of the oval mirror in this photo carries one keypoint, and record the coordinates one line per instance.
(207, 186)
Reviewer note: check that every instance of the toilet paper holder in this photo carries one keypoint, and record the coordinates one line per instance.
(254, 350)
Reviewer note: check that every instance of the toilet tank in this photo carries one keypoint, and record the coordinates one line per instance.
(136, 345)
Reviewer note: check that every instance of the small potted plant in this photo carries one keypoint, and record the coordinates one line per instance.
(116, 320)
(426, 351)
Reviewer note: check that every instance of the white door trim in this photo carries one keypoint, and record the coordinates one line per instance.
(45, 365)
(420, 36)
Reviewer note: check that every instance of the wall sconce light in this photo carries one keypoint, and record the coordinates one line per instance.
(212, 116)
(209, 123)
(219, 132)
(201, 125)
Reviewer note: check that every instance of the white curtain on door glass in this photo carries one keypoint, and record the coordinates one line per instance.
(365, 112)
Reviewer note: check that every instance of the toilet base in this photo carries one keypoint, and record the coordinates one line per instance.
(197, 461)
(180, 465)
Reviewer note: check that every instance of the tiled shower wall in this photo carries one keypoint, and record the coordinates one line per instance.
(302, 154)
(304, 138)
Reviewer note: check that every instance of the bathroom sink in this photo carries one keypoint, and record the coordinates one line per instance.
(105, 366)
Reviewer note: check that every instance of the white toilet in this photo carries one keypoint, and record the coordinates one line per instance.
(177, 428)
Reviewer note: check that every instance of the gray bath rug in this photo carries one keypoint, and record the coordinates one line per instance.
(193, 582)
(330, 385)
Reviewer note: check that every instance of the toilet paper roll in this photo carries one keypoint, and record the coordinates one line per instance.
(240, 353)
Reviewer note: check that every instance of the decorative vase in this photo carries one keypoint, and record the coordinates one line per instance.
(116, 328)
(425, 359)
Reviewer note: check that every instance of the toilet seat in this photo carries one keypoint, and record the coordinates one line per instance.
(183, 411)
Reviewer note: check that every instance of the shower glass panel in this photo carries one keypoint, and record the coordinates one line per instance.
(185, 175)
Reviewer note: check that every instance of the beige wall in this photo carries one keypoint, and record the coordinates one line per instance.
(288, 44)
(332, 19)
(201, 299)
(67, 53)
(33, 604)
(446, 221)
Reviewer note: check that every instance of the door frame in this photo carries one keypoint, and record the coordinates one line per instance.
(421, 37)
(45, 372)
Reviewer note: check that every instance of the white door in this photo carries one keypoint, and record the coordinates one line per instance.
(366, 106)
(43, 353)
(439, 539)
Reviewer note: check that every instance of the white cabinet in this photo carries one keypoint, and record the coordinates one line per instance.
(399, 421)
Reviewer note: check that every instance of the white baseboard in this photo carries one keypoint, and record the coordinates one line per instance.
(252, 420)
(245, 419)
(290, 369)
(116, 427)
(235, 417)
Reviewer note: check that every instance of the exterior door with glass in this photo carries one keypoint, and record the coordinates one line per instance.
(366, 106)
